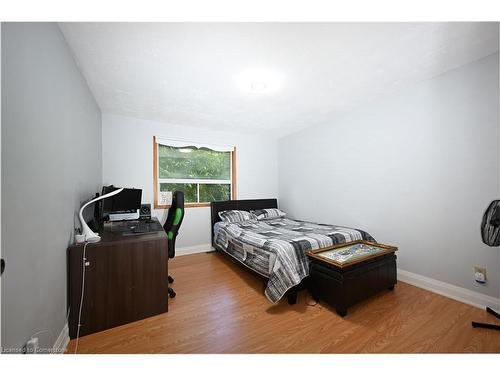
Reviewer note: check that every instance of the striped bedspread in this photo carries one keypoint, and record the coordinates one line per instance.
(276, 248)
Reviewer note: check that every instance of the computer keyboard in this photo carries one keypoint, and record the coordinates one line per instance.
(132, 227)
(141, 228)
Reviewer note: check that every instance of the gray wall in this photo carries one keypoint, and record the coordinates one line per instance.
(130, 139)
(416, 170)
(51, 162)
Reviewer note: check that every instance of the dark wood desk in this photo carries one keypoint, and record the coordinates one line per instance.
(126, 279)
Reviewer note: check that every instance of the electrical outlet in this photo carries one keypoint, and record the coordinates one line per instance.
(31, 346)
(480, 274)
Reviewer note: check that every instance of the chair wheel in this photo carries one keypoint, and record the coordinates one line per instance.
(170, 279)
(171, 293)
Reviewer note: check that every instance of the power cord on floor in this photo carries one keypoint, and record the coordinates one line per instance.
(51, 334)
(84, 261)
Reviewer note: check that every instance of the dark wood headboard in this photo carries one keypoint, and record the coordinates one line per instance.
(244, 204)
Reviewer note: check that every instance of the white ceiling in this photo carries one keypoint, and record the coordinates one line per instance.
(186, 73)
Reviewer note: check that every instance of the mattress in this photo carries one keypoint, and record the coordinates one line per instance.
(276, 248)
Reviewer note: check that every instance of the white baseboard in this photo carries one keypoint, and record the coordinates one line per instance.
(448, 290)
(203, 248)
(62, 341)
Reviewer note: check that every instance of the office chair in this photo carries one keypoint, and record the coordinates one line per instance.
(171, 227)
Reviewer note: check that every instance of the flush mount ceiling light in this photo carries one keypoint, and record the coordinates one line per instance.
(259, 81)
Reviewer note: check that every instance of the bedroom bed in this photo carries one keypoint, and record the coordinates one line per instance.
(272, 245)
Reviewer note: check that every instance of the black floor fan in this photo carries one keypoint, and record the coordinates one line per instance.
(490, 232)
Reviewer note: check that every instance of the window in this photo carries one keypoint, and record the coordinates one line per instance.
(205, 173)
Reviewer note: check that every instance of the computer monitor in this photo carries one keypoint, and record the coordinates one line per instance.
(129, 200)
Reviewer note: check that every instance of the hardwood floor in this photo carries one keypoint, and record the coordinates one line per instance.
(221, 308)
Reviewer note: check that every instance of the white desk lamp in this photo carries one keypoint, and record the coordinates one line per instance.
(90, 236)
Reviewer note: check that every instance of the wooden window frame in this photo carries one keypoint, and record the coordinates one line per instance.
(187, 205)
